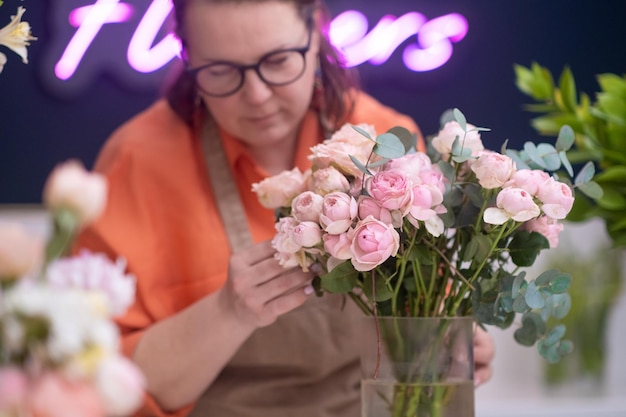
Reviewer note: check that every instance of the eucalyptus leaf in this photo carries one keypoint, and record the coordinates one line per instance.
(534, 154)
(533, 296)
(408, 139)
(549, 156)
(560, 305)
(389, 145)
(592, 190)
(360, 165)
(586, 174)
(565, 139)
(363, 132)
(566, 163)
(460, 118)
(555, 334)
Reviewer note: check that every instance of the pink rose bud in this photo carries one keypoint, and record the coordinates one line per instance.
(73, 188)
(307, 234)
(492, 169)
(307, 206)
(530, 180)
(557, 199)
(338, 212)
(391, 189)
(278, 191)
(373, 243)
(370, 207)
(20, 253)
(512, 203)
(284, 241)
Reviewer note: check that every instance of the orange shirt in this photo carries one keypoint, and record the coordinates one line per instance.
(161, 215)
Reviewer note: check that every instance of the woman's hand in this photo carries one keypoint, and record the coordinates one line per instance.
(484, 352)
(259, 289)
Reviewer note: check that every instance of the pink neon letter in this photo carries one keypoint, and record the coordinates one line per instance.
(97, 16)
(140, 55)
(435, 46)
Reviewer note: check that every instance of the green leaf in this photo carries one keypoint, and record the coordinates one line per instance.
(567, 86)
(565, 347)
(586, 174)
(363, 132)
(340, 280)
(565, 139)
(408, 139)
(613, 174)
(560, 284)
(525, 247)
(518, 283)
(532, 327)
(612, 199)
(389, 146)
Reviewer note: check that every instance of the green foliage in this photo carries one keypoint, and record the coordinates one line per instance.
(598, 127)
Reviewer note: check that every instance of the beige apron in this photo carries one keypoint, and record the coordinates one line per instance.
(306, 364)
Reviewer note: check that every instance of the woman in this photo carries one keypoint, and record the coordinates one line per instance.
(218, 327)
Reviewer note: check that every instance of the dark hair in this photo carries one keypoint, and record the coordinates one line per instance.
(335, 101)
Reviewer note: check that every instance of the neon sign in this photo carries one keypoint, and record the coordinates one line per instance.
(150, 46)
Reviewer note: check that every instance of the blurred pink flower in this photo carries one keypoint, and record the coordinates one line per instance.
(71, 187)
(20, 252)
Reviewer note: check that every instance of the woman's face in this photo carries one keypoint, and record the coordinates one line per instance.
(259, 114)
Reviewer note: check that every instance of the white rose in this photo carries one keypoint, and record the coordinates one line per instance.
(20, 253)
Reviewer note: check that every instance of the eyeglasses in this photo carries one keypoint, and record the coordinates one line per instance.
(276, 68)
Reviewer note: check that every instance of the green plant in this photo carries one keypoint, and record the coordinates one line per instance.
(599, 125)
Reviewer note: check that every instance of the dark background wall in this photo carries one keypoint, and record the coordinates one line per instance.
(41, 126)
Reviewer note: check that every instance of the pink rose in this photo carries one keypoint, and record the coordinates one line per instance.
(328, 180)
(284, 241)
(492, 169)
(278, 191)
(338, 212)
(556, 197)
(373, 243)
(307, 234)
(337, 150)
(307, 206)
(13, 390)
(370, 207)
(55, 396)
(338, 246)
(548, 227)
(20, 253)
(120, 385)
(434, 177)
(530, 180)
(450, 131)
(411, 164)
(391, 189)
(425, 197)
(73, 188)
(512, 203)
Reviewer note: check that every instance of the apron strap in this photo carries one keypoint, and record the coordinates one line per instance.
(224, 187)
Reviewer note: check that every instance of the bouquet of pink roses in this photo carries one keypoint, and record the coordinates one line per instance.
(441, 233)
(59, 348)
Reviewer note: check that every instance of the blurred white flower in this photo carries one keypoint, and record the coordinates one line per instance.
(95, 272)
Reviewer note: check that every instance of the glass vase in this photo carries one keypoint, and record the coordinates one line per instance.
(417, 367)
